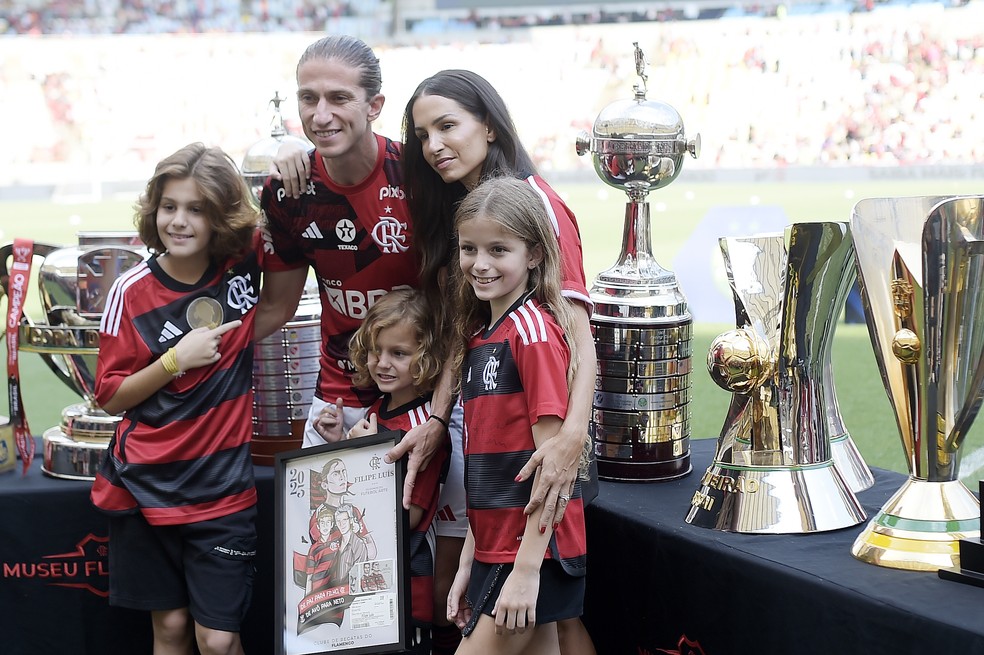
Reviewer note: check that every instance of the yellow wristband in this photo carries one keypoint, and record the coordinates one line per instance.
(169, 361)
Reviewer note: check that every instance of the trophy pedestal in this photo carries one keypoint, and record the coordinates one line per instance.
(919, 528)
(285, 374)
(640, 420)
(74, 450)
(780, 500)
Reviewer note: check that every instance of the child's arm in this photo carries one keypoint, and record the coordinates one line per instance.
(515, 610)
(459, 612)
(200, 347)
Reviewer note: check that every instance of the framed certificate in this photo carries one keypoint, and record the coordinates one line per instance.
(342, 578)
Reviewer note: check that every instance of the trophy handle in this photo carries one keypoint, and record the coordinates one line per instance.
(6, 251)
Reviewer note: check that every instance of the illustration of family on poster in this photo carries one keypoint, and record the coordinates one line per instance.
(340, 520)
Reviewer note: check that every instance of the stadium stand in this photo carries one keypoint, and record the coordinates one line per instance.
(101, 89)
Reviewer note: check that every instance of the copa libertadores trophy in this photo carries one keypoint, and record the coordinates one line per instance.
(921, 273)
(73, 282)
(641, 323)
(285, 363)
(773, 471)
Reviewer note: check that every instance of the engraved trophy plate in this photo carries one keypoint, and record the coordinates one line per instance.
(921, 272)
(285, 374)
(73, 283)
(773, 471)
(641, 324)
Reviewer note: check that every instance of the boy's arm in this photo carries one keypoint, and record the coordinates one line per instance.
(279, 295)
(200, 347)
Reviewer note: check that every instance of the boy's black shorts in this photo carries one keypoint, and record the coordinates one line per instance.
(207, 567)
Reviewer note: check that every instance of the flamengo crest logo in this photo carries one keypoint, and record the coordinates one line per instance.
(241, 294)
(390, 235)
(85, 567)
(489, 374)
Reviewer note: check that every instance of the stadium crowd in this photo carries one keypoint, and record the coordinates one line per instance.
(896, 85)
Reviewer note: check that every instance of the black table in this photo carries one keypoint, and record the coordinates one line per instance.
(657, 585)
(53, 593)
(653, 581)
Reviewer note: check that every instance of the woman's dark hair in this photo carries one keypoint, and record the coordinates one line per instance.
(432, 202)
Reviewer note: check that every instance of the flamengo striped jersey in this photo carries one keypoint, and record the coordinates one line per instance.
(358, 240)
(565, 227)
(425, 494)
(182, 455)
(513, 374)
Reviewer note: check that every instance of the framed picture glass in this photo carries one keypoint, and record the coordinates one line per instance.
(342, 578)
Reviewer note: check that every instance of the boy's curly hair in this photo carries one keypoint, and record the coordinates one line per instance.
(398, 307)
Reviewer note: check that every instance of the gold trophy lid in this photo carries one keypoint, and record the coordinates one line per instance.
(638, 144)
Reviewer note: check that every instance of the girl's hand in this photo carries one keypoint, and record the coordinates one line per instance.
(329, 422)
(515, 610)
(459, 612)
(200, 347)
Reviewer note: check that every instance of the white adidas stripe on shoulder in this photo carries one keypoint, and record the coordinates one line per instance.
(529, 322)
(531, 180)
(113, 312)
(418, 415)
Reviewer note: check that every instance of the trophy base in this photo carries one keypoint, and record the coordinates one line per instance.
(784, 500)
(919, 528)
(264, 447)
(68, 459)
(627, 471)
(849, 462)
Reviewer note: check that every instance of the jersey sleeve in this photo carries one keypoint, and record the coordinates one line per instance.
(542, 366)
(571, 253)
(121, 350)
(281, 247)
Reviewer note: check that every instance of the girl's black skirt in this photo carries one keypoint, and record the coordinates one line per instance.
(561, 596)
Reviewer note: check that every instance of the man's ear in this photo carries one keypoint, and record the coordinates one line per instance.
(376, 106)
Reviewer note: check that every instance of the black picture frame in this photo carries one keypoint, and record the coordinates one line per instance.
(347, 591)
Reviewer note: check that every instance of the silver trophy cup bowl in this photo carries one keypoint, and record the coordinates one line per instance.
(73, 282)
(641, 324)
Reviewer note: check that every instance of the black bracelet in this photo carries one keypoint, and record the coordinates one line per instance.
(439, 420)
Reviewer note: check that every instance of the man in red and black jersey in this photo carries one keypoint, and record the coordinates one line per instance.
(350, 224)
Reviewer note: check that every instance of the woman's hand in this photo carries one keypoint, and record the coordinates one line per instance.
(558, 460)
(292, 166)
(515, 609)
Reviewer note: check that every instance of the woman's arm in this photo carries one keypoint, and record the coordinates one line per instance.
(515, 610)
(558, 458)
(422, 441)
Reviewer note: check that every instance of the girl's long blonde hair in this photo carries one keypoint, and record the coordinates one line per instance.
(519, 210)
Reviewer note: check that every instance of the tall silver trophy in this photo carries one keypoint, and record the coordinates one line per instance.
(73, 282)
(773, 471)
(641, 323)
(921, 271)
(285, 375)
(285, 363)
